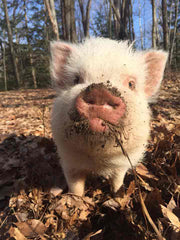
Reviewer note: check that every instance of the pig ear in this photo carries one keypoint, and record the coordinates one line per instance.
(155, 62)
(60, 52)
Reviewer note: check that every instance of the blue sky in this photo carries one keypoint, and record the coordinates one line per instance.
(146, 21)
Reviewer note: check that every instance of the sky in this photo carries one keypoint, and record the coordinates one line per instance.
(146, 21)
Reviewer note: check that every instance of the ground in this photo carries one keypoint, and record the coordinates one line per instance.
(31, 208)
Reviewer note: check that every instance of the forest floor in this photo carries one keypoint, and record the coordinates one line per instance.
(29, 168)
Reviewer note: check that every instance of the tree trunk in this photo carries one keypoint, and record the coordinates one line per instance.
(52, 16)
(4, 67)
(140, 25)
(121, 11)
(158, 30)
(165, 24)
(131, 23)
(174, 32)
(46, 32)
(11, 44)
(154, 24)
(110, 22)
(72, 23)
(53, 11)
(117, 18)
(85, 17)
(33, 72)
(68, 20)
(3, 49)
(62, 7)
(170, 19)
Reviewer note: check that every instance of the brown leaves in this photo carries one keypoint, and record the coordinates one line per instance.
(143, 171)
(15, 233)
(29, 168)
(126, 199)
(31, 228)
(175, 223)
(73, 208)
(25, 112)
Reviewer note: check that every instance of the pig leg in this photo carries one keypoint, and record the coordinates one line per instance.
(76, 182)
(117, 179)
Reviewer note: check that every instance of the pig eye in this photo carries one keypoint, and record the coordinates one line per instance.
(77, 80)
(132, 85)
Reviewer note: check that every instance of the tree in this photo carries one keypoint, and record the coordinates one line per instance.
(110, 22)
(140, 25)
(52, 16)
(131, 23)
(154, 24)
(11, 43)
(68, 20)
(103, 24)
(29, 48)
(121, 17)
(165, 25)
(174, 32)
(85, 16)
(3, 50)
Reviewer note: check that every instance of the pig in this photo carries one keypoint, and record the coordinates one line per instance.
(104, 88)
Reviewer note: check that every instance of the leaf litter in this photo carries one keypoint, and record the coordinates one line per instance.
(34, 203)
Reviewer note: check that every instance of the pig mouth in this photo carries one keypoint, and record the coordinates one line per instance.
(80, 129)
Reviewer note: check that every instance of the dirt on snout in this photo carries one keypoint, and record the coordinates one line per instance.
(80, 125)
(108, 86)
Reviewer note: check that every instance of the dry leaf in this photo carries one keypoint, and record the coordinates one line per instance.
(51, 220)
(94, 236)
(15, 233)
(112, 203)
(31, 228)
(124, 201)
(172, 204)
(21, 216)
(143, 171)
(56, 191)
(145, 184)
(172, 217)
(69, 205)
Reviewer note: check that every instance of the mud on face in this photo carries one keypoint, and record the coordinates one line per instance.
(79, 125)
(108, 86)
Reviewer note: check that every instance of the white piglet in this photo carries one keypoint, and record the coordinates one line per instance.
(103, 90)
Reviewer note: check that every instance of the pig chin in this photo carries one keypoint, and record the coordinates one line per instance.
(80, 137)
(95, 125)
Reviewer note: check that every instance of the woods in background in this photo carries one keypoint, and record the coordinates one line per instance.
(27, 27)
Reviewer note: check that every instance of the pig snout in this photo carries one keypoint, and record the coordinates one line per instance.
(98, 106)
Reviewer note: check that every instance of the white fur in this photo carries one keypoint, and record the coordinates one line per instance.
(99, 60)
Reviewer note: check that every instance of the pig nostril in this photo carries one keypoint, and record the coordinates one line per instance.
(114, 105)
(103, 124)
(91, 102)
